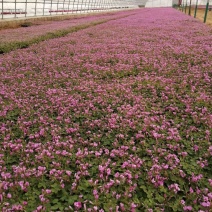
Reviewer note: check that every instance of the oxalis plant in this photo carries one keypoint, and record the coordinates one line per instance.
(114, 117)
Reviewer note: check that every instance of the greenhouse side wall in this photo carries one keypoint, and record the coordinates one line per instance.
(29, 8)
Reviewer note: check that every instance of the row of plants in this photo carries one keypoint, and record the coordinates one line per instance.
(19, 38)
(115, 117)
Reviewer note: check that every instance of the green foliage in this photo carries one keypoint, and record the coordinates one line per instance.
(26, 24)
(11, 46)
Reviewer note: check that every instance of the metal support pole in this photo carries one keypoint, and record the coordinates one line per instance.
(99, 5)
(189, 12)
(206, 11)
(95, 5)
(182, 4)
(82, 10)
(104, 4)
(77, 6)
(63, 6)
(68, 6)
(88, 5)
(73, 6)
(195, 12)
(2, 9)
(57, 6)
(25, 8)
(15, 8)
(35, 7)
(91, 3)
(44, 6)
(51, 8)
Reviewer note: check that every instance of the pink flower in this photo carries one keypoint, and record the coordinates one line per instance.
(122, 207)
(48, 191)
(95, 193)
(205, 204)
(9, 196)
(191, 190)
(182, 202)
(133, 207)
(39, 208)
(68, 172)
(187, 208)
(78, 205)
(174, 187)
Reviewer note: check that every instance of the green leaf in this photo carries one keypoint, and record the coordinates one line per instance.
(55, 201)
(55, 207)
(159, 198)
(72, 199)
(55, 188)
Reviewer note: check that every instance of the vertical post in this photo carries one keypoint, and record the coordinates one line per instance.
(15, 8)
(91, 3)
(189, 12)
(2, 9)
(44, 6)
(195, 12)
(63, 6)
(182, 5)
(25, 8)
(88, 7)
(35, 7)
(105, 4)
(95, 5)
(82, 6)
(206, 11)
(51, 8)
(91, 8)
(77, 6)
(73, 6)
(57, 6)
(68, 6)
(98, 5)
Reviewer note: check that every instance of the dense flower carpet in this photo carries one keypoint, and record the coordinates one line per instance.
(116, 117)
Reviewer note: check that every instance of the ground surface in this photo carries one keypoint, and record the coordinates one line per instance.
(201, 14)
(114, 117)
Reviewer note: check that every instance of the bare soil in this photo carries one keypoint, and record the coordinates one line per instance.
(201, 14)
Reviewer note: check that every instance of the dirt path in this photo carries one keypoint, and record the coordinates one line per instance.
(201, 14)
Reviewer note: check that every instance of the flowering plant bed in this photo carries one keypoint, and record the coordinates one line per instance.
(114, 117)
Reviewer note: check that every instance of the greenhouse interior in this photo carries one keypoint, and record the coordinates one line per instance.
(26, 8)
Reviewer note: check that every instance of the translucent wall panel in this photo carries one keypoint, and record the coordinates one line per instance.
(159, 3)
(200, 2)
(25, 8)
